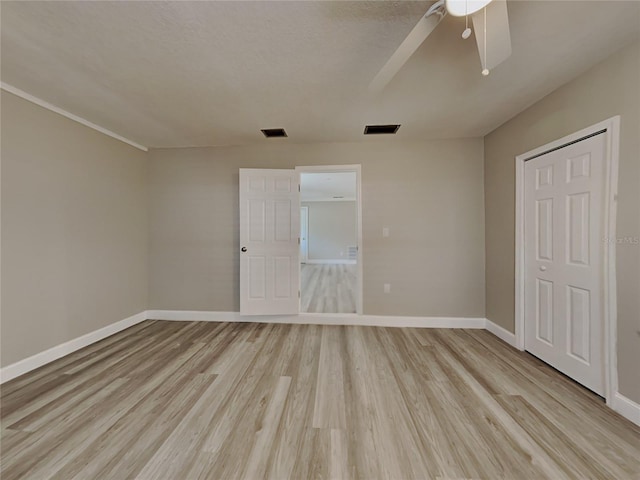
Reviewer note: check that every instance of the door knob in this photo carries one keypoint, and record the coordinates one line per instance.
(243, 249)
(543, 268)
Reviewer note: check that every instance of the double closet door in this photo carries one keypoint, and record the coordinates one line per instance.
(563, 260)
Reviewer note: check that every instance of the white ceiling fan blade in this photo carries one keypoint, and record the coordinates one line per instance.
(409, 45)
(498, 46)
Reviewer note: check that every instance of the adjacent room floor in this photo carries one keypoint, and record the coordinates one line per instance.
(328, 288)
(187, 400)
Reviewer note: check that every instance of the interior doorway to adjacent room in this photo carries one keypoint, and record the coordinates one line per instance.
(330, 269)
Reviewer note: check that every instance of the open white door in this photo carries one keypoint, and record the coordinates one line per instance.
(269, 251)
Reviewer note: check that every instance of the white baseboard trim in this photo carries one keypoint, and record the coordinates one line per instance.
(626, 407)
(39, 359)
(321, 319)
(501, 333)
(339, 261)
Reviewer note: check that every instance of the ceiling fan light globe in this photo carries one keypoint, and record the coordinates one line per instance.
(460, 8)
(485, 72)
(467, 33)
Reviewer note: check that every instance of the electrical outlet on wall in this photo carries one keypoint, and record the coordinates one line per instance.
(387, 288)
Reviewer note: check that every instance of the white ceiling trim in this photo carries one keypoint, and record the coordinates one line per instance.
(69, 115)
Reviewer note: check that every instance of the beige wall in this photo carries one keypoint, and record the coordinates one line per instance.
(430, 195)
(74, 230)
(332, 229)
(611, 88)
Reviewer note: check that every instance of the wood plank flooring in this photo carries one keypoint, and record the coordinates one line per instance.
(196, 400)
(328, 288)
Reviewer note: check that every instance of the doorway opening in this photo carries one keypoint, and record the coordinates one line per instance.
(330, 233)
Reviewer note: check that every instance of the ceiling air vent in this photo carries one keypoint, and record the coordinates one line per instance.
(381, 129)
(274, 132)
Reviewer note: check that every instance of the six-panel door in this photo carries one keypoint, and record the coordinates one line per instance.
(269, 230)
(563, 260)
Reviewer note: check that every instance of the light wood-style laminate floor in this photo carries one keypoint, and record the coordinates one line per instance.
(328, 288)
(194, 400)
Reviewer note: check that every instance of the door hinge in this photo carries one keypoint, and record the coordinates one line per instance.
(298, 293)
(298, 187)
(298, 240)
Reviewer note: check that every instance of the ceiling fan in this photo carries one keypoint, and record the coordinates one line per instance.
(490, 24)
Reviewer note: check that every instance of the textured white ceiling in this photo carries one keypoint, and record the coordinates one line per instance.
(327, 186)
(168, 74)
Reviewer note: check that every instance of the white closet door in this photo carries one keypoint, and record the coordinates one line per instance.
(563, 260)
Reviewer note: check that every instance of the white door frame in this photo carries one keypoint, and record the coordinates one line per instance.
(346, 168)
(305, 232)
(611, 129)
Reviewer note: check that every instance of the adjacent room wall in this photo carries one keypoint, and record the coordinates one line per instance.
(611, 88)
(74, 230)
(429, 194)
(332, 229)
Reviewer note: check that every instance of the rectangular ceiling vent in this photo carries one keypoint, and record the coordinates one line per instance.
(381, 129)
(274, 132)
